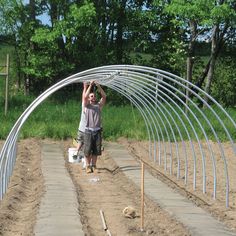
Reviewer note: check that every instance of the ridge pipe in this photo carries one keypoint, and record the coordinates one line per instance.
(211, 126)
(108, 72)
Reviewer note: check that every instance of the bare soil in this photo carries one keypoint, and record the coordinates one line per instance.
(109, 191)
(20, 204)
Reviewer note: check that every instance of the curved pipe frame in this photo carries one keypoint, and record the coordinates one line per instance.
(161, 99)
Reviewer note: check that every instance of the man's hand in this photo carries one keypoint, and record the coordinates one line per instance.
(92, 82)
(98, 85)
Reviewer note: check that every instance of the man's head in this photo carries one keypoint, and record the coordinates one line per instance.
(92, 98)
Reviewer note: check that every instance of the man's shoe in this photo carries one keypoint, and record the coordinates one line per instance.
(88, 170)
(94, 169)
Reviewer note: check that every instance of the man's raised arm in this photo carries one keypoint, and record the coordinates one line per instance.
(86, 94)
(103, 94)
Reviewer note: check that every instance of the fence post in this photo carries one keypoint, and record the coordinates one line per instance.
(7, 81)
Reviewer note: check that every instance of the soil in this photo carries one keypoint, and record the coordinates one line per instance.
(109, 191)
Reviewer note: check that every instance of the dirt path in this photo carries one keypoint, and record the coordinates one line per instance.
(109, 191)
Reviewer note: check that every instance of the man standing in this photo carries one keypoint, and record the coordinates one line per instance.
(81, 129)
(92, 135)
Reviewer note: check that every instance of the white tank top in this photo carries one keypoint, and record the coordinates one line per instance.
(82, 122)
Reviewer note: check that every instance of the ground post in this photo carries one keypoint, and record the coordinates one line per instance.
(142, 197)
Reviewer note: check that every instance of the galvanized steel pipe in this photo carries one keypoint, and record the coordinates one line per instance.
(160, 97)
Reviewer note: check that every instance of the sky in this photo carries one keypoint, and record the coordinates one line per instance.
(44, 17)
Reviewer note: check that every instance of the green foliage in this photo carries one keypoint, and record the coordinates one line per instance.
(85, 34)
(185, 9)
(83, 16)
(223, 13)
(171, 54)
(42, 61)
(224, 84)
(207, 12)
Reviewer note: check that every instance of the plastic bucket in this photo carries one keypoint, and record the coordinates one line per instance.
(72, 155)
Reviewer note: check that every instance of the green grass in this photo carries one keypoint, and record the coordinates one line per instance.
(59, 120)
(123, 122)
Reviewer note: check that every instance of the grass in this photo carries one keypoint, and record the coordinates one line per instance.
(59, 120)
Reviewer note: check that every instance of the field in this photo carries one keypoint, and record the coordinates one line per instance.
(113, 193)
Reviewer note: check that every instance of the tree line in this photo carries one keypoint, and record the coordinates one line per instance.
(191, 38)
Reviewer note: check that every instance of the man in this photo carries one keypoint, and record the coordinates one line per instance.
(81, 129)
(92, 135)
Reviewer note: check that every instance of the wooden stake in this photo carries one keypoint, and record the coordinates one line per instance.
(103, 220)
(142, 196)
(104, 223)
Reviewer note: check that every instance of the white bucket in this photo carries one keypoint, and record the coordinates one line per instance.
(72, 152)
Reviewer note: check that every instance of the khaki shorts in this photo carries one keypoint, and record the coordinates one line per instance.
(92, 143)
(80, 137)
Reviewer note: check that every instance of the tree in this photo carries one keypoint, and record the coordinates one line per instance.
(201, 20)
(223, 18)
(60, 44)
(224, 86)
(13, 18)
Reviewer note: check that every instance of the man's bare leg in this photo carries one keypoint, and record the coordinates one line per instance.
(94, 163)
(88, 161)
